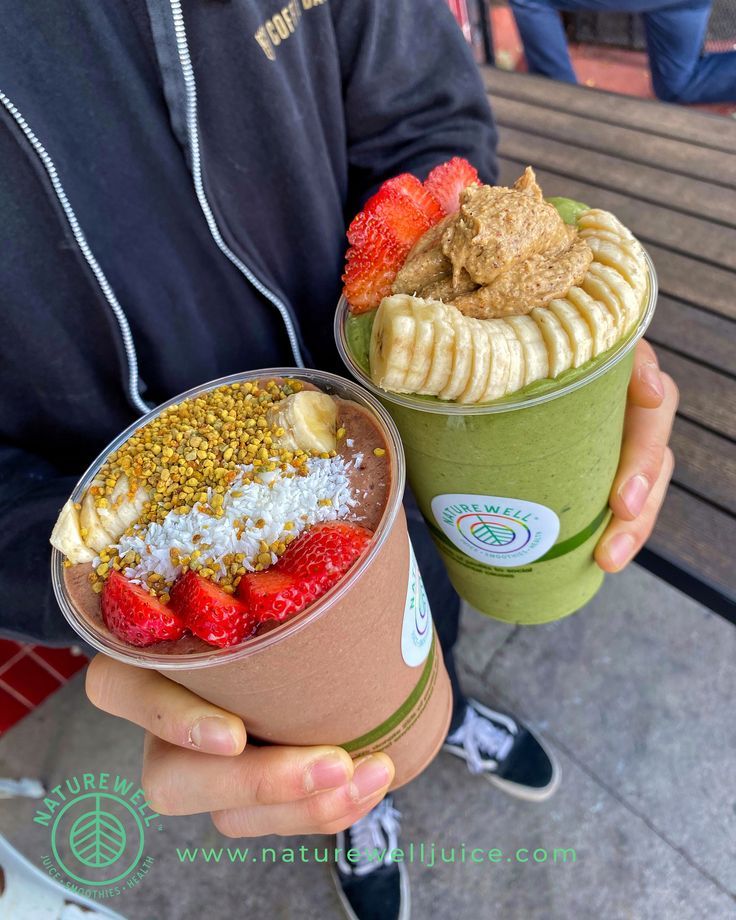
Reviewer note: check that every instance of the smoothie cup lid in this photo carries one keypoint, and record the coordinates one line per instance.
(509, 403)
(110, 645)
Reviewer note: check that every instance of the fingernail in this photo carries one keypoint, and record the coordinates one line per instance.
(633, 493)
(371, 775)
(328, 773)
(651, 378)
(620, 549)
(212, 734)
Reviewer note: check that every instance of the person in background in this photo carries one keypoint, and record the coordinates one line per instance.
(176, 183)
(675, 37)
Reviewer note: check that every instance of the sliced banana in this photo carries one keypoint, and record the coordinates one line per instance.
(498, 375)
(629, 299)
(620, 259)
(95, 534)
(600, 234)
(577, 329)
(443, 351)
(559, 349)
(478, 382)
(392, 342)
(517, 366)
(309, 420)
(421, 357)
(536, 362)
(66, 536)
(596, 316)
(462, 359)
(121, 510)
(596, 219)
(599, 288)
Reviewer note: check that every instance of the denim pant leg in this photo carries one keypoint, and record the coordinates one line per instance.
(680, 73)
(543, 36)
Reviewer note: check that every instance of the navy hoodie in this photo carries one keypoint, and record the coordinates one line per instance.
(176, 177)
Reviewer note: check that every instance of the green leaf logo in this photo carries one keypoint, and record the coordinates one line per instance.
(97, 838)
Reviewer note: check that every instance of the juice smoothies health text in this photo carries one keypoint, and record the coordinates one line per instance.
(516, 492)
(360, 667)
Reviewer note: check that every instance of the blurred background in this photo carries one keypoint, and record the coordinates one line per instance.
(608, 50)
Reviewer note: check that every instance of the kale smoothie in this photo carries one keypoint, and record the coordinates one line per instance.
(514, 487)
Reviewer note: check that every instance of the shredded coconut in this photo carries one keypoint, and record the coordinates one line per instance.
(276, 499)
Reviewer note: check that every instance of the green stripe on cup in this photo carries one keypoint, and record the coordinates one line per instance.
(559, 549)
(371, 737)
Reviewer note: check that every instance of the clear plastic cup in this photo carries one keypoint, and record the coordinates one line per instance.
(515, 492)
(361, 668)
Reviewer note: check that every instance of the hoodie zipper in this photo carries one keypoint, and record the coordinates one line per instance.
(81, 240)
(196, 163)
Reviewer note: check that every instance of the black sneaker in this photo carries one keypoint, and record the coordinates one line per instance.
(372, 887)
(506, 752)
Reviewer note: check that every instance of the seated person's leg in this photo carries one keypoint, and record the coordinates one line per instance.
(545, 45)
(680, 72)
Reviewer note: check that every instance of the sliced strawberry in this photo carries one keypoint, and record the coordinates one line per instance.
(414, 190)
(276, 594)
(391, 222)
(133, 615)
(403, 209)
(447, 180)
(369, 272)
(211, 614)
(308, 568)
(326, 551)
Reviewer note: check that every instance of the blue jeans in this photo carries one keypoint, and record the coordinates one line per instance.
(675, 35)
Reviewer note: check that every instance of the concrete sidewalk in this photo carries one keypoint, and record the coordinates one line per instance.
(635, 695)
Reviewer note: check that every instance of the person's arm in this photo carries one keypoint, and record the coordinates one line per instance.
(31, 495)
(413, 95)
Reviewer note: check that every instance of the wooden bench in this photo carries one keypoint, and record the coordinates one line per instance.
(669, 173)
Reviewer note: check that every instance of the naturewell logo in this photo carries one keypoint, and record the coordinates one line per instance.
(97, 825)
(503, 532)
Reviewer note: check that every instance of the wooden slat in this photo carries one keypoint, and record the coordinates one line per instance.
(673, 121)
(697, 537)
(706, 397)
(694, 281)
(701, 335)
(705, 464)
(626, 143)
(686, 234)
(647, 183)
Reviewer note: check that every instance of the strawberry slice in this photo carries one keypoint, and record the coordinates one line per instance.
(402, 209)
(382, 234)
(369, 271)
(447, 180)
(326, 551)
(276, 594)
(133, 615)
(308, 568)
(414, 189)
(209, 612)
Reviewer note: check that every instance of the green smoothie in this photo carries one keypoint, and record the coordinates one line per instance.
(515, 492)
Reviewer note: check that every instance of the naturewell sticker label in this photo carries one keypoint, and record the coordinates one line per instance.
(416, 632)
(504, 532)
